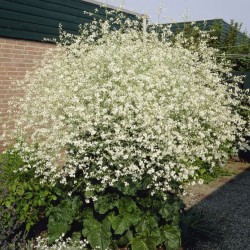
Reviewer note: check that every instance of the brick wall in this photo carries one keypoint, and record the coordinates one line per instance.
(16, 57)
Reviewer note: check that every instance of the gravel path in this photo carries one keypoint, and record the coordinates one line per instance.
(226, 205)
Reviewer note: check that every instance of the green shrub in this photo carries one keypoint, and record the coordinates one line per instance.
(22, 194)
(115, 220)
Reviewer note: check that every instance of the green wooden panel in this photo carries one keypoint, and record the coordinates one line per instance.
(69, 7)
(29, 18)
(225, 30)
(46, 7)
(22, 34)
(41, 18)
(80, 5)
(42, 29)
(18, 7)
(86, 6)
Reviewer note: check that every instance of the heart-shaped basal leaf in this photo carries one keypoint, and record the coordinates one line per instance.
(123, 241)
(171, 236)
(147, 222)
(166, 212)
(97, 233)
(170, 211)
(129, 214)
(122, 222)
(61, 218)
(144, 242)
(126, 205)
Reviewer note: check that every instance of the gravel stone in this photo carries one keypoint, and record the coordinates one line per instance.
(226, 205)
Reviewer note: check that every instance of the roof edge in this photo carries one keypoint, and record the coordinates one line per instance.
(203, 20)
(114, 7)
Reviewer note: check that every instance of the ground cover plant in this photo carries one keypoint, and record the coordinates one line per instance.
(112, 125)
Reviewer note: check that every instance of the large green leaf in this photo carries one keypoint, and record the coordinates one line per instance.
(170, 211)
(171, 236)
(97, 233)
(126, 205)
(61, 217)
(122, 223)
(144, 242)
(105, 203)
(129, 214)
(166, 212)
(147, 222)
(124, 239)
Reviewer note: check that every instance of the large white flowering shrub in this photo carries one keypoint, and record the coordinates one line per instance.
(122, 108)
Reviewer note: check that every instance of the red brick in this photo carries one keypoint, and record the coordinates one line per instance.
(5, 50)
(16, 57)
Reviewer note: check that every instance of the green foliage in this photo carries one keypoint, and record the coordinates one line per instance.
(233, 42)
(117, 220)
(170, 211)
(106, 202)
(215, 174)
(147, 222)
(207, 174)
(236, 45)
(128, 215)
(9, 162)
(10, 234)
(97, 233)
(113, 220)
(61, 217)
(29, 199)
(171, 237)
(21, 193)
(144, 242)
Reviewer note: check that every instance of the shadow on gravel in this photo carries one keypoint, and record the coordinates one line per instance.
(224, 214)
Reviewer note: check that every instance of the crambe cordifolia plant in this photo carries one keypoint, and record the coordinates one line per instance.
(114, 107)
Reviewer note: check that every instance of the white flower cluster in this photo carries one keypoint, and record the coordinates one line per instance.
(119, 105)
(60, 244)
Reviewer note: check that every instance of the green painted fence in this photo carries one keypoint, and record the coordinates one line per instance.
(39, 19)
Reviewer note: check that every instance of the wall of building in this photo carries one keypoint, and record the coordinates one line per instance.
(16, 57)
